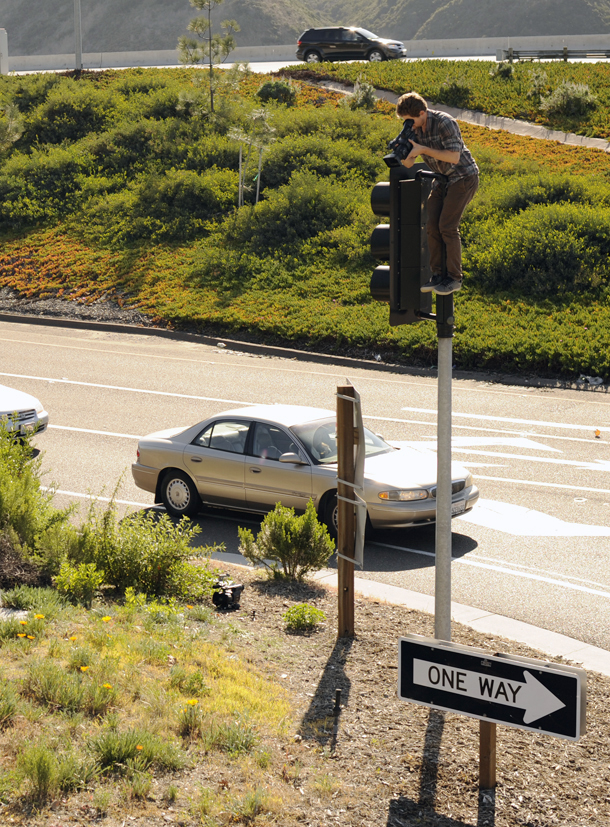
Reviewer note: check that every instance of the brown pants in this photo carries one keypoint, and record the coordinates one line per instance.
(446, 206)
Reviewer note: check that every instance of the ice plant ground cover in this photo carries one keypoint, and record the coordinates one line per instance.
(122, 186)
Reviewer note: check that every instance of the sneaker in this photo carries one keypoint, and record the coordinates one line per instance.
(447, 286)
(431, 285)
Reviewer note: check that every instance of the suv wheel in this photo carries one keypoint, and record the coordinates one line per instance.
(179, 495)
(313, 57)
(376, 56)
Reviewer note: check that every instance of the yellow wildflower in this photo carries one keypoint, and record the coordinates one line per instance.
(106, 686)
(193, 702)
(84, 668)
(39, 617)
(23, 635)
(106, 619)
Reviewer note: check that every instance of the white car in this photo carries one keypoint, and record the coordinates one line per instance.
(21, 413)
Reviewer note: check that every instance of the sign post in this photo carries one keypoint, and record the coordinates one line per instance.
(351, 508)
(346, 516)
(547, 698)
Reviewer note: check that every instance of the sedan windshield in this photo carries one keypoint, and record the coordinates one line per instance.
(320, 441)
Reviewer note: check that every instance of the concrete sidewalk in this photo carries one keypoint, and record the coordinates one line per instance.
(551, 643)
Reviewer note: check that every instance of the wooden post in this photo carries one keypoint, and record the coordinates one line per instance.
(347, 515)
(487, 755)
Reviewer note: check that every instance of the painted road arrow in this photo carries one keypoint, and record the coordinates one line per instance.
(505, 689)
(531, 696)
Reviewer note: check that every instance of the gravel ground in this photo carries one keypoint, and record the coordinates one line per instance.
(98, 311)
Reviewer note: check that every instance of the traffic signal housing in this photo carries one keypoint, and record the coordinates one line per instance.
(403, 243)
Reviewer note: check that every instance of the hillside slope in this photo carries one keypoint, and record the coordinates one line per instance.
(114, 25)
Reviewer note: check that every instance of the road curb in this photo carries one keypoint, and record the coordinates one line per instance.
(254, 348)
(551, 643)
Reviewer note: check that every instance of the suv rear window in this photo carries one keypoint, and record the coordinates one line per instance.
(307, 36)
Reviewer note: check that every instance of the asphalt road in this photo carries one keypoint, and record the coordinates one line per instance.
(536, 548)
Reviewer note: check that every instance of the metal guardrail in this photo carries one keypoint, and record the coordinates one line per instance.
(564, 54)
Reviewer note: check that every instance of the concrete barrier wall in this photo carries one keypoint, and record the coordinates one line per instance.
(3, 52)
(467, 47)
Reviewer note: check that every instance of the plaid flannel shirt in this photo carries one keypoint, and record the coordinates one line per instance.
(443, 132)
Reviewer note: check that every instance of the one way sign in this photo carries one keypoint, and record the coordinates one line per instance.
(503, 689)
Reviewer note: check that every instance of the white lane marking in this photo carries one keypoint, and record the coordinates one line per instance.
(130, 390)
(94, 497)
(479, 429)
(514, 421)
(521, 521)
(553, 581)
(240, 402)
(475, 442)
(596, 465)
(90, 431)
(536, 483)
(428, 383)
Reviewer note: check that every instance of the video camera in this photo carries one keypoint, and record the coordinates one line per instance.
(401, 145)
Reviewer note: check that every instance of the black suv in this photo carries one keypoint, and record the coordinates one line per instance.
(340, 43)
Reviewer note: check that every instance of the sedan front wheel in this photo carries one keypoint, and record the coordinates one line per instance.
(179, 495)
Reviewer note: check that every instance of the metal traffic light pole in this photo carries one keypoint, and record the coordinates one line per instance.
(403, 243)
(442, 587)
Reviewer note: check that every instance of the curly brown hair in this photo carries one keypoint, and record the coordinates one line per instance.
(410, 105)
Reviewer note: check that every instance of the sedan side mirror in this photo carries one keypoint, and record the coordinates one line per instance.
(295, 459)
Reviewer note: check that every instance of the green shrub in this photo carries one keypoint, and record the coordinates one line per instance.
(26, 511)
(299, 544)
(41, 186)
(33, 599)
(362, 97)
(234, 737)
(543, 250)
(79, 583)
(146, 552)
(304, 207)
(280, 91)
(114, 750)
(571, 99)
(9, 704)
(38, 765)
(175, 206)
(303, 617)
(321, 155)
(70, 111)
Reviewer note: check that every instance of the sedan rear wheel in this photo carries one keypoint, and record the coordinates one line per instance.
(179, 495)
(376, 56)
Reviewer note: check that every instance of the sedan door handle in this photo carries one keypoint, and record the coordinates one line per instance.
(255, 470)
(195, 459)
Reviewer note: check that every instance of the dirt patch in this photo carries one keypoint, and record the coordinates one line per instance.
(381, 762)
(397, 763)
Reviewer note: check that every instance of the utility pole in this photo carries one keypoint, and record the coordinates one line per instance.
(78, 37)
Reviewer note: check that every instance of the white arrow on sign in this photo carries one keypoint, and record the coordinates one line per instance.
(532, 696)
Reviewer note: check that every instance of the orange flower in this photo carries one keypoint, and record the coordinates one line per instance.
(30, 637)
(193, 702)
(106, 686)
(139, 746)
(72, 638)
(23, 635)
(39, 617)
(84, 668)
(23, 622)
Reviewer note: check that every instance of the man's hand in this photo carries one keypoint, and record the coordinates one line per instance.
(446, 155)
